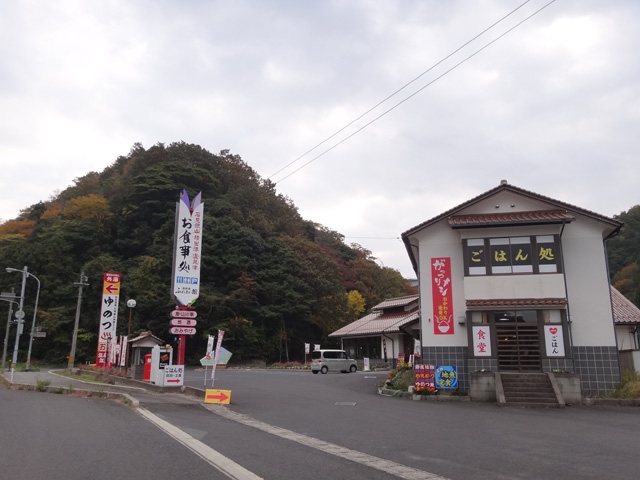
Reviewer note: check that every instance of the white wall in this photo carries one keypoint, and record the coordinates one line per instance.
(442, 241)
(587, 284)
(626, 337)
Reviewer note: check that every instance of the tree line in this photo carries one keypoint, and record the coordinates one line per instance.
(269, 278)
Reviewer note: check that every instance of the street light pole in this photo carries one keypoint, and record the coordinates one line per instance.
(130, 303)
(20, 317)
(72, 355)
(33, 326)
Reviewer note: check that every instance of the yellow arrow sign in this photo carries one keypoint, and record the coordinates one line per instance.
(218, 396)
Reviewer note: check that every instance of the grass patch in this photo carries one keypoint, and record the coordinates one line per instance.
(400, 380)
(629, 386)
(85, 377)
(41, 385)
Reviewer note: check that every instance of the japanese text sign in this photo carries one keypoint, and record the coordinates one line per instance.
(425, 377)
(554, 340)
(188, 249)
(481, 341)
(442, 296)
(174, 375)
(108, 318)
(446, 377)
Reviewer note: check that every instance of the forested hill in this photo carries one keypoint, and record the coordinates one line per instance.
(269, 278)
(624, 255)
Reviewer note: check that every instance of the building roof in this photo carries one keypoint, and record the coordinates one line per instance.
(381, 320)
(624, 310)
(147, 335)
(396, 302)
(537, 217)
(614, 225)
(517, 302)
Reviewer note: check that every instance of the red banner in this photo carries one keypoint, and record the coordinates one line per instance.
(442, 296)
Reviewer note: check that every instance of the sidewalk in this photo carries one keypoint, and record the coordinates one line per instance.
(51, 380)
(135, 392)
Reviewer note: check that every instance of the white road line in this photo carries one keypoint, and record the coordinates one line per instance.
(219, 461)
(387, 466)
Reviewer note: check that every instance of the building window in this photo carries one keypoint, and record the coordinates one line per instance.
(512, 255)
(358, 348)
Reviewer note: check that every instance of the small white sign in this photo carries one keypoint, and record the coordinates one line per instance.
(481, 340)
(554, 340)
(173, 375)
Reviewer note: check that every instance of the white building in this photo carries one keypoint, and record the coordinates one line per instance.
(514, 281)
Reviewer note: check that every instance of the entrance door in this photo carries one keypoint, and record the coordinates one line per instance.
(518, 344)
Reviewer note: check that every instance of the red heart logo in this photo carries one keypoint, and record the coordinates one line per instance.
(553, 330)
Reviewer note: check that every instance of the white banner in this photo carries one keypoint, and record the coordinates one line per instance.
(218, 345)
(554, 340)
(306, 348)
(123, 351)
(481, 340)
(210, 344)
(417, 348)
(316, 347)
(188, 250)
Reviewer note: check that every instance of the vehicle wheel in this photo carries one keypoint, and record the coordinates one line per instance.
(353, 368)
(315, 372)
(324, 370)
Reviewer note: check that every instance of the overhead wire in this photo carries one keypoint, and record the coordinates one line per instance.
(413, 94)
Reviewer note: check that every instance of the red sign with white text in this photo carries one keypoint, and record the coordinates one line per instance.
(442, 296)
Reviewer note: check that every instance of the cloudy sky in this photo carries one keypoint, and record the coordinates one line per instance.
(552, 106)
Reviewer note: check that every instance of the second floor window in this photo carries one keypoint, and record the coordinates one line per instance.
(512, 255)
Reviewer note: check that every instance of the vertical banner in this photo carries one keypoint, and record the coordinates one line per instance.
(108, 318)
(124, 345)
(442, 296)
(316, 347)
(481, 340)
(417, 348)
(210, 345)
(215, 358)
(554, 340)
(306, 348)
(188, 250)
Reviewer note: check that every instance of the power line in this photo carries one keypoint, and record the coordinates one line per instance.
(413, 94)
(373, 238)
(402, 88)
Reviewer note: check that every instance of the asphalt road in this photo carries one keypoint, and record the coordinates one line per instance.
(295, 425)
(453, 440)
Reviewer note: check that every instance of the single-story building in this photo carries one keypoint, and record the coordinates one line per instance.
(390, 330)
(514, 281)
(139, 347)
(627, 317)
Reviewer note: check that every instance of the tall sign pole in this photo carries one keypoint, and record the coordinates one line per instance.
(185, 282)
(108, 319)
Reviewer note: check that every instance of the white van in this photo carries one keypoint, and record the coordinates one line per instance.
(332, 361)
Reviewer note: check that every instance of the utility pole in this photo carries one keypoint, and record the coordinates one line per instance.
(20, 324)
(33, 325)
(72, 355)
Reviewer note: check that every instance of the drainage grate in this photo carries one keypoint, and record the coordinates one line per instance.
(346, 404)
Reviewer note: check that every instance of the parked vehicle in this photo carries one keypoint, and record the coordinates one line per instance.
(324, 361)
